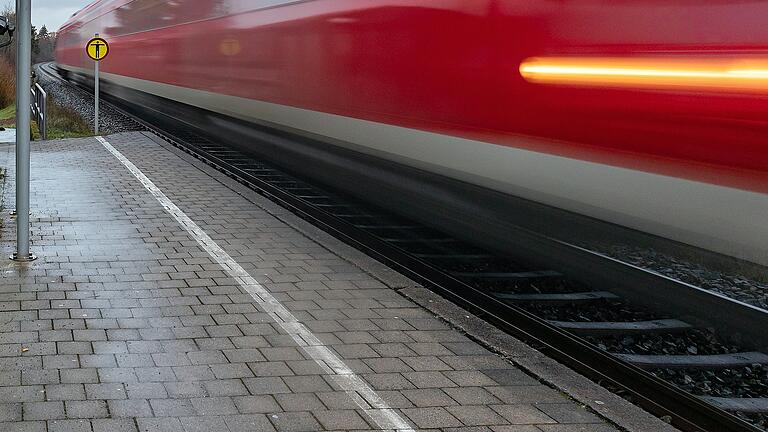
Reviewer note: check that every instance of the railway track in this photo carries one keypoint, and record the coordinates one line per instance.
(646, 336)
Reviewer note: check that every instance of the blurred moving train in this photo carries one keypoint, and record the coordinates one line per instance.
(647, 114)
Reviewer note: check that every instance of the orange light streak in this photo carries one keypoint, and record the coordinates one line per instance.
(681, 73)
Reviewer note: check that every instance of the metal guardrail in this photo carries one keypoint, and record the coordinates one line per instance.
(39, 108)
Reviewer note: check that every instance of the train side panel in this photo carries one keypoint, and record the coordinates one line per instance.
(438, 86)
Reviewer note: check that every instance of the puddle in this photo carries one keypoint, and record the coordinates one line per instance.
(8, 136)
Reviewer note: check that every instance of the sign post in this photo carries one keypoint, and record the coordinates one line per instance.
(97, 50)
(23, 115)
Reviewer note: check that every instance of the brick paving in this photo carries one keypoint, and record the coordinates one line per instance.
(126, 324)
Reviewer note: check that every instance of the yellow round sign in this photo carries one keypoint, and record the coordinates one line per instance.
(97, 49)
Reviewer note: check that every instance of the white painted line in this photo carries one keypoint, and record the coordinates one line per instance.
(364, 396)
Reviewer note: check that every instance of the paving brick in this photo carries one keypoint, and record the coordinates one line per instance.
(146, 391)
(43, 410)
(185, 389)
(299, 402)
(73, 348)
(306, 384)
(98, 361)
(426, 363)
(476, 415)
(165, 424)
(10, 412)
(204, 424)
(27, 426)
(65, 392)
(67, 361)
(429, 379)
(295, 422)
(269, 385)
(249, 423)
(31, 377)
(105, 391)
(214, 406)
(80, 425)
(90, 335)
(267, 368)
(388, 382)
(86, 409)
(129, 408)
(70, 376)
(436, 418)
(226, 387)
(385, 365)
(336, 420)
(172, 407)
(117, 375)
(171, 359)
(114, 425)
(233, 370)
(134, 360)
(110, 347)
(471, 396)
(338, 400)
(154, 374)
(193, 373)
(522, 414)
(256, 404)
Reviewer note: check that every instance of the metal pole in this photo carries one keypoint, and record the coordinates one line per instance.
(96, 86)
(23, 85)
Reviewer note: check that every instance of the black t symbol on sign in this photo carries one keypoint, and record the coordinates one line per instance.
(98, 47)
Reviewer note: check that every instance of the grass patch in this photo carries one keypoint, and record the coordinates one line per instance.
(64, 122)
(8, 113)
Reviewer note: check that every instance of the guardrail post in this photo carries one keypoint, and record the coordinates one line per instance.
(44, 116)
(39, 109)
(42, 112)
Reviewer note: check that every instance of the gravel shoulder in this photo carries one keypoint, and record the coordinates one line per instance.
(735, 286)
(110, 120)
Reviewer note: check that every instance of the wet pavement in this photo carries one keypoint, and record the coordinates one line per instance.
(164, 300)
(7, 135)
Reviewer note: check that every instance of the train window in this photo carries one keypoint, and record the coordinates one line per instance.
(240, 6)
(142, 15)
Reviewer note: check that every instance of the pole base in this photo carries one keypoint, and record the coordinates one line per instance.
(28, 258)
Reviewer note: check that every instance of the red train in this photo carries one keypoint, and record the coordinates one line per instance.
(648, 114)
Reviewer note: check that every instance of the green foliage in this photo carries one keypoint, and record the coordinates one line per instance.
(7, 83)
(8, 113)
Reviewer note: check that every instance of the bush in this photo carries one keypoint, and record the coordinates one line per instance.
(7, 83)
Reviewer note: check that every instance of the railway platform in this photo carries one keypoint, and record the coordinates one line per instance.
(167, 297)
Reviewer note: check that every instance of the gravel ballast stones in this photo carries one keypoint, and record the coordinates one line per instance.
(110, 120)
(730, 285)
